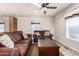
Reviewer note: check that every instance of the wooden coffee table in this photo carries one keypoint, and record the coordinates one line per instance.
(48, 47)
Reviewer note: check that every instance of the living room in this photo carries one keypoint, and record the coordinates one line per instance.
(20, 24)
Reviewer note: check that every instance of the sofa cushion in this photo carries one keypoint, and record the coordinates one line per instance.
(22, 48)
(15, 36)
(24, 41)
(11, 36)
(18, 35)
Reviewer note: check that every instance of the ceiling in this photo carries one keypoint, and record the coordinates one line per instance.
(29, 9)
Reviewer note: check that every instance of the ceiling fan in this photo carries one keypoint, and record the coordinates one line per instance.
(44, 7)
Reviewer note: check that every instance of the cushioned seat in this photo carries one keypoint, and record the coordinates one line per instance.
(22, 48)
(27, 42)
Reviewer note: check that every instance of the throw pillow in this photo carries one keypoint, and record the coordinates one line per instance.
(37, 33)
(25, 35)
(6, 41)
(47, 33)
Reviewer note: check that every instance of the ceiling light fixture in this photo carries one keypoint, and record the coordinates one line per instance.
(44, 10)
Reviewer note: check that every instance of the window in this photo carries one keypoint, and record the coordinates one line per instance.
(1, 27)
(35, 26)
(72, 28)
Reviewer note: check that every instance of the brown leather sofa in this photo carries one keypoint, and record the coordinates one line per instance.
(21, 45)
(42, 35)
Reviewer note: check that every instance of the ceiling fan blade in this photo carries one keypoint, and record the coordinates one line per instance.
(47, 3)
(51, 7)
(44, 4)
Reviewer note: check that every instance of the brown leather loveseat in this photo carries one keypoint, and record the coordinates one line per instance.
(21, 45)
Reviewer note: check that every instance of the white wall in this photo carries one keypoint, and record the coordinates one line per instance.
(24, 24)
(60, 29)
(46, 23)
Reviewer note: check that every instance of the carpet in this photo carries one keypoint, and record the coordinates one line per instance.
(33, 51)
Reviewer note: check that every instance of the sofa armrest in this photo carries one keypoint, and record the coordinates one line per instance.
(9, 51)
(29, 35)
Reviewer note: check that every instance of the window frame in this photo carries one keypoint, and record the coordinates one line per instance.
(71, 17)
(34, 23)
(4, 26)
